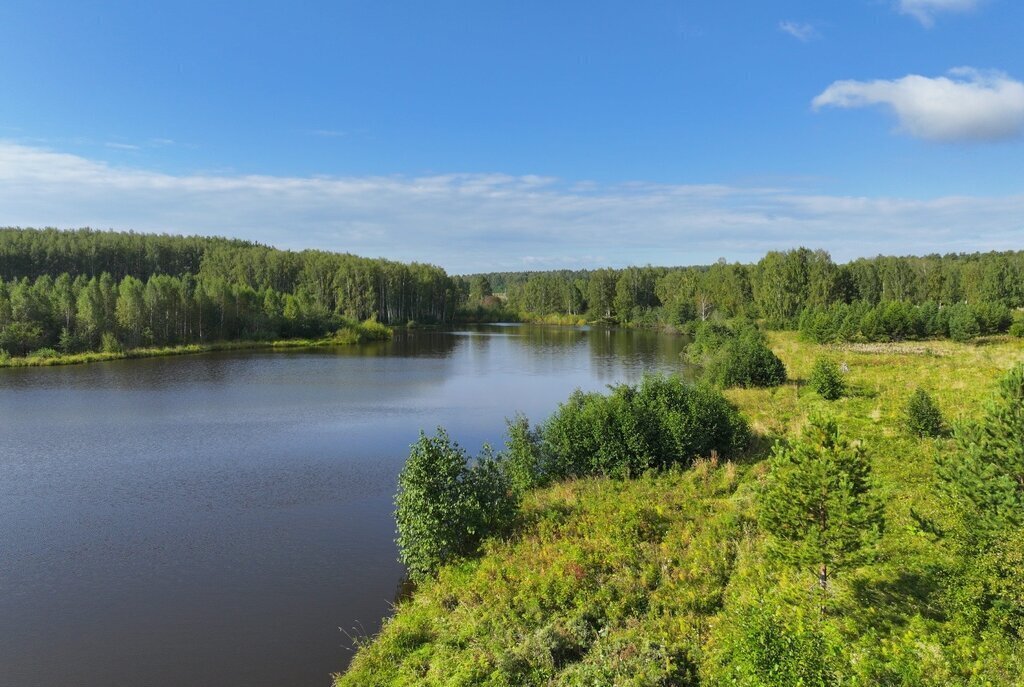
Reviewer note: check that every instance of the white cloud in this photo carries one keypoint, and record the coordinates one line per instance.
(471, 222)
(801, 31)
(966, 105)
(925, 10)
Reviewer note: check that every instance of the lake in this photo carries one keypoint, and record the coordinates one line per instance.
(227, 518)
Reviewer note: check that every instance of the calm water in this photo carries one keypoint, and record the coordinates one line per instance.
(227, 518)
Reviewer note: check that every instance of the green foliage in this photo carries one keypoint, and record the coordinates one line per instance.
(827, 379)
(922, 416)
(110, 344)
(445, 507)
(662, 422)
(735, 354)
(817, 506)
(987, 472)
(771, 644)
(611, 583)
(1017, 328)
(522, 458)
(963, 325)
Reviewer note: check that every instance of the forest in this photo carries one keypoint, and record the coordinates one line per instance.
(780, 289)
(65, 292)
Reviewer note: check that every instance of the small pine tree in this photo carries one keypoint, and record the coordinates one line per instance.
(921, 416)
(827, 379)
(963, 325)
(817, 506)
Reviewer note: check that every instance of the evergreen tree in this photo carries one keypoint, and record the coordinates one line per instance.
(827, 379)
(921, 416)
(817, 506)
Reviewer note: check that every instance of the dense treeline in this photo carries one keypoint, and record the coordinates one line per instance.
(778, 289)
(899, 320)
(85, 290)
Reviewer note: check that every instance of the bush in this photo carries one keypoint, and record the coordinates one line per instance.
(826, 379)
(110, 344)
(771, 644)
(662, 422)
(921, 416)
(444, 507)
(43, 353)
(1017, 328)
(736, 355)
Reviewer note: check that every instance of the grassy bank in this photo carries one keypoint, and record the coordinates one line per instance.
(655, 581)
(346, 335)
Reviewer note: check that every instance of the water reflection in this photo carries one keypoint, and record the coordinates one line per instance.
(216, 518)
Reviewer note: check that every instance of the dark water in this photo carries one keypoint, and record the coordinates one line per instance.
(212, 520)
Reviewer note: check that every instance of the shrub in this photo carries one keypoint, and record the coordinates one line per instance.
(771, 644)
(1017, 328)
(110, 344)
(522, 459)
(43, 353)
(445, 507)
(921, 416)
(736, 355)
(826, 379)
(662, 422)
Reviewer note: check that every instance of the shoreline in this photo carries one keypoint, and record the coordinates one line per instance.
(184, 349)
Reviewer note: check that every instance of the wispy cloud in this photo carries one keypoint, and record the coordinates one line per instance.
(966, 105)
(121, 146)
(802, 31)
(470, 222)
(925, 10)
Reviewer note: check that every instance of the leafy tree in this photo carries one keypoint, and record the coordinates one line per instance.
(922, 416)
(827, 379)
(817, 506)
(445, 507)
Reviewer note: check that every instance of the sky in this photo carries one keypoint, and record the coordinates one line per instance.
(498, 135)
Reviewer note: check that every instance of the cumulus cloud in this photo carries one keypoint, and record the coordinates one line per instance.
(965, 105)
(801, 31)
(475, 222)
(925, 10)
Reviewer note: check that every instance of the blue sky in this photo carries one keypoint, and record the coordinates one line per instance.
(512, 135)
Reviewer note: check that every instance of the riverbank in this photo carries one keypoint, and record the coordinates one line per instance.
(346, 336)
(667, 579)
